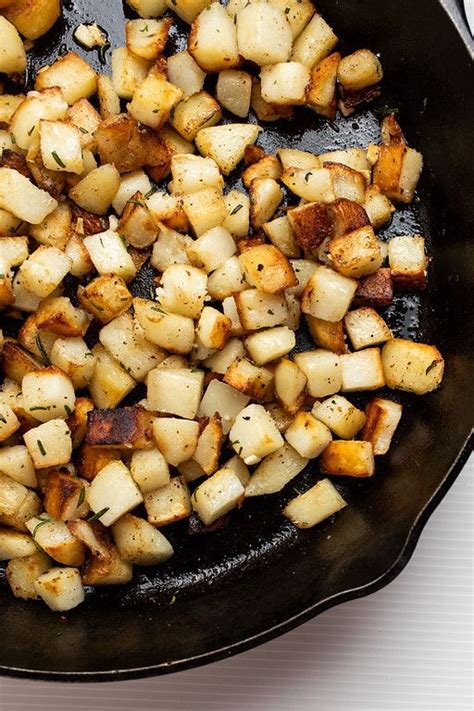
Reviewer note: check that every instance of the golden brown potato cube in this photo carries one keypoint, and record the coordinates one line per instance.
(107, 570)
(348, 458)
(311, 224)
(32, 18)
(169, 503)
(346, 216)
(198, 111)
(321, 91)
(154, 100)
(267, 167)
(30, 506)
(58, 315)
(90, 460)
(71, 74)
(136, 224)
(120, 428)
(16, 362)
(209, 446)
(376, 289)
(77, 421)
(147, 38)
(359, 70)
(327, 334)
(7, 296)
(366, 328)
(83, 115)
(397, 171)
(105, 297)
(249, 379)
(383, 417)
(267, 269)
(356, 254)
(55, 229)
(65, 496)
(415, 367)
(22, 572)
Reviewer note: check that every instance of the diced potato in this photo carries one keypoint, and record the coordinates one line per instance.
(176, 144)
(220, 361)
(32, 18)
(77, 422)
(254, 435)
(175, 391)
(22, 572)
(263, 33)
(107, 569)
(290, 383)
(60, 588)
(265, 111)
(72, 75)
(408, 262)
(383, 417)
(185, 73)
(378, 207)
(48, 394)
(9, 422)
(226, 279)
(57, 314)
(168, 210)
(226, 144)
(347, 183)
(213, 328)
(55, 229)
(56, 540)
(148, 8)
(267, 269)
(229, 307)
(328, 295)
(315, 505)
(280, 232)
(348, 458)
(213, 39)
(218, 495)
(8, 223)
(362, 370)
(90, 36)
(275, 471)
(187, 10)
(265, 167)
(122, 428)
(224, 400)
(109, 254)
(195, 113)
(135, 354)
(323, 371)
(128, 72)
(154, 100)
(97, 190)
(415, 367)
(90, 460)
(109, 101)
(173, 332)
(147, 39)
(49, 444)
(136, 225)
(113, 492)
(169, 503)
(321, 91)
(249, 379)
(270, 344)
(44, 270)
(81, 263)
(14, 544)
(234, 90)
(308, 436)
(327, 334)
(293, 158)
(109, 383)
(212, 249)
(17, 464)
(105, 297)
(170, 248)
(176, 439)
(20, 197)
(340, 415)
(366, 328)
(209, 446)
(64, 496)
(265, 196)
(193, 173)
(314, 43)
(359, 70)
(397, 171)
(139, 542)
(46, 105)
(297, 12)
(12, 53)
(183, 290)
(285, 83)
(356, 254)
(29, 505)
(312, 185)
(12, 496)
(257, 310)
(61, 147)
(205, 209)
(137, 181)
(149, 470)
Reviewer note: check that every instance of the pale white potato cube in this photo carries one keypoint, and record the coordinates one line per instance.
(265, 197)
(175, 391)
(221, 361)
(12, 51)
(275, 471)
(407, 260)
(60, 588)
(362, 370)
(378, 207)
(22, 573)
(263, 34)
(257, 310)
(229, 307)
(307, 435)
(341, 416)
(73, 356)
(9, 422)
(16, 463)
(49, 444)
(14, 544)
(44, 270)
(238, 213)
(55, 538)
(254, 434)
(149, 469)
(218, 495)
(359, 70)
(72, 74)
(233, 91)
(12, 496)
(191, 470)
(270, 344)
(176, 439)
(109, 383)
(187, 10)
(304, 270)
(109, 254)
(170, 248)
(213, 328)
(315, 505)
(327, 294)
(185, 73)
(366, 328)
(383, 417)
(294, 158)
(192, 173)
(226, 279)
(224, 400)
(90, 36)
(205, 209)
(24, 508)
(128, 72)
(290, 383)
(137, 355)
(139, 542)
(226, 144)
(24, 125)
(213, 39)
(415, 367)
(48, 394)
(173, 332)
(323, 370)
(297, 12)
(113, 492)
(315, 42)
(285, 83)
(60, 145)
(212, 249)
(96, 192)
(148, 8)
(240, 469)
(315, 185)
(169, 503)
(22, 199)
(130, 183)
(183, 290)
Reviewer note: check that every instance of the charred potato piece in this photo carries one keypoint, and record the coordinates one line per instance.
(120, 428)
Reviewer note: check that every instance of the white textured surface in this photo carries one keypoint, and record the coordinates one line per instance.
(408, 647)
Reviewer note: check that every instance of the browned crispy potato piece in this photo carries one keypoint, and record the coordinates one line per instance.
(57, 314)
(267, 268)
(321, 91)
(375, 290)
(105, 297)
(311, 224)
(17, 362)
(64, 497)
(77, 421)
(348, 458)
(327, 334)
(346, 216)
(265, 111)
(88, 223)
(90, 460)
(120, 428)
(32, 18)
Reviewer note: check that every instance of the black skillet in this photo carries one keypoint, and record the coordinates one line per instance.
(226, 592)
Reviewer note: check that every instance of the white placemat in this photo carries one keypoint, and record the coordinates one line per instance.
(408, 647)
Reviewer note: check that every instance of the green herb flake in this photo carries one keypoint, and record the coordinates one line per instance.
(41, 447)
(144, 29)
(58, 159)
(83, 130)
(2, 419)
(42, 520)
(98, 515)
(31, 130)
(42, 350)
(307, 177)
(82, 496)
(40, 407)
(68, 410)
(151, 192)
(101, 52)
(236, 209)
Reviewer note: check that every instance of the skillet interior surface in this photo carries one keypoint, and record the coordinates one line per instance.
(225, 592)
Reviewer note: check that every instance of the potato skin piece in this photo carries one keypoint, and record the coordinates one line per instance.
(120, 428)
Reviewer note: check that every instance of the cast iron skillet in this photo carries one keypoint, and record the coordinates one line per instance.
(259, 577)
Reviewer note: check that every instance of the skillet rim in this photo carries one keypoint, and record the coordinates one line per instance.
(455, 15)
